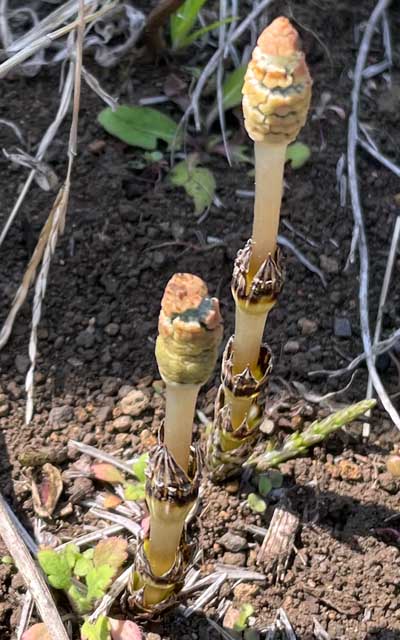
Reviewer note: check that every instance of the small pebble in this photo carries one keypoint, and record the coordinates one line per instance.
(307, 326)
(329, 265)
(342, 327)
(292, 346)
(232, 542)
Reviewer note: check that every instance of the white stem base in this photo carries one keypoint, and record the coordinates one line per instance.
(179, 413)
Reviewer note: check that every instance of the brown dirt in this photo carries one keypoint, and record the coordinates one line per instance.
(99, 324)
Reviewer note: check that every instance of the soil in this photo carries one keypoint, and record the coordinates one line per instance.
(127, 232)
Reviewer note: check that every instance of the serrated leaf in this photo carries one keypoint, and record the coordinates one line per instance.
(83, 566)
(256, 503)
(124, 630)
(55, 566)
(139, 126)
(100, 630)
(297, 154)
(88, 553)
(139, 467)
(71, 554)
(134, 491)
(107, 473)
(82, 603)
(36, 632)
(98, 580)
(246, 610)
(232, 88)
(264, 485)
(198, 182)
(112, 552)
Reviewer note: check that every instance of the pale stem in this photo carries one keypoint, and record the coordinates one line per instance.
(178, 426)
(249, 329)
(269, 165)
(164, 542)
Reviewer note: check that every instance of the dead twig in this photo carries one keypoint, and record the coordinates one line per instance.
(32, 575)
(382, 301)
(359, 236)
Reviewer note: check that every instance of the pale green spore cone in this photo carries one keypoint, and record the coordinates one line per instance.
(190, 331)
(299, 443)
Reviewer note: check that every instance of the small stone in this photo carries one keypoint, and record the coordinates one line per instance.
(307, 326)
(123, 423)
(342, 327)
(60, 416)
(14, 390)
(81, 415)
(134, 403)
(97, 146)
(232, 542)
(292, 346)
(85, 339)
(112, 329)
(4, 406)
(122, 439)
(387, 482)
(110, 386)
(329, 265)
(147, 439)
(103, 414)
(22, 363)
(152, 636)
(245, 591)
(234, 559)
(124, 390)
(232, 486)
(231, 617)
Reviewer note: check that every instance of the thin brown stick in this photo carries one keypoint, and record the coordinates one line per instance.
(32, 575)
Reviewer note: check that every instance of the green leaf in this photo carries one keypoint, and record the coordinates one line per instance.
(199, 33)
(232, 88)
(139, 467)
(276, 478)
(100, 630)
(297, 154)
(183, 20)
(246, 610)
(80, 599)
(256, 503)
(71, 554)
(198, 182)
(139, 126)
(83, 566)
(56, 567)
(264, 485)
(98, 580)
(134, 491)
(112, 552)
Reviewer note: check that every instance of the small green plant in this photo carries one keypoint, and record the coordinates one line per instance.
(297, 154)
(183, 21)
(256, 503)
(198, 182)
(140, 126)
(84, 576)
(246, 610)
